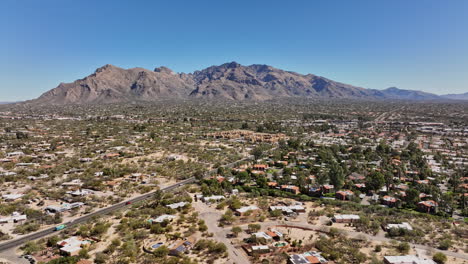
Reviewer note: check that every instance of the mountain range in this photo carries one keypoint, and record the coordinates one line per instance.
(229, 81)
(463, 96)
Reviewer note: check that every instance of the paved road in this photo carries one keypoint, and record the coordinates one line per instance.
(45, 232)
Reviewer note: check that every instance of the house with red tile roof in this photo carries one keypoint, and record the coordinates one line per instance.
(428, 206)
(344, 194)
(389, 200)
(290, 188)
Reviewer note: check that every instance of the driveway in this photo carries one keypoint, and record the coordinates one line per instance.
(211, 217)
(12, 257)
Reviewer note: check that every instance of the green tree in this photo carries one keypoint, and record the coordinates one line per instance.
(254, 227)
(161, 252)
(403, 247)
(439, 257)
(101, 258)
(375, 181)
(236, 230)
(336, 175)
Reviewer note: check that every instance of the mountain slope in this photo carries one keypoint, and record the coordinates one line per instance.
(110, 84)
(262, 82)
(229, 81)
(400, 94)
(463, 96)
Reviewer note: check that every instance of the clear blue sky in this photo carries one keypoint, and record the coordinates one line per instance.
(417, 44)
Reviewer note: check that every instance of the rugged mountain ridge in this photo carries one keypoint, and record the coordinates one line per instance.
(229, 81)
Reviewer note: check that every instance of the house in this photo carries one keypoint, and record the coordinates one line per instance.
(70, 250)
(345, 218)
(82, 192)
(356, 177)
(263, 235)
(73, 184)
(327, 188)
(256, 249)
(272, 184)
(260, 167)
(360, 186)
(422, 181)
(72, 245)
(12, 197)
(315, 191)
(15, 218)
(281, 163)
(275, 234)
(243, 210)
(402, 187)
(181, 246)
(163, 218)
(176, 205)
(289, 210)
(63, 207)
(262, 249)
(40, 177)
(15, 154)
(213, 198)
(428, 206)
(311, 257)
(404, 225)
(408, 259)
(389, 201)
(344, 195)
(424, 196)
(290, 188)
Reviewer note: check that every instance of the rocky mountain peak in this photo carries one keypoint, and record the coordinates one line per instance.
(163, 69)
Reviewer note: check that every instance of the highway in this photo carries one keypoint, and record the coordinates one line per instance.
(45, 232)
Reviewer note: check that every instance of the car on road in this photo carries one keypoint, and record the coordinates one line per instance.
(127, 203)
(60, 227)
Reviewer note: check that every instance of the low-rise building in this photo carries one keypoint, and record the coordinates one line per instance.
(428, 206)
(181, 246)
(15, 218)
(288, 210)
(177, 205)
(243, 210)
(344, 195)
(213, 198)
(72, 245)
(346, 218)
(263, 235)
(404, 225)
(311, 257)
(290, 188)
(389, 201)
(12, 197)
(163, 218)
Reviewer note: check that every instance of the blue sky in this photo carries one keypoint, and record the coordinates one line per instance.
(418, 44)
